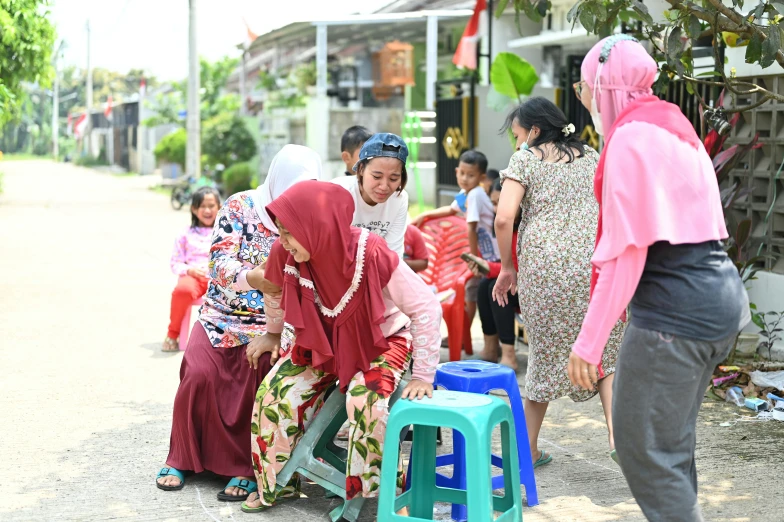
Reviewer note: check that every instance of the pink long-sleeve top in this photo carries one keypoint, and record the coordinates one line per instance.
(191, 250)
(619, 276)
(412, 312)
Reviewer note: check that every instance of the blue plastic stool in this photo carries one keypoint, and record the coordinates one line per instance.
(475, 416)
(483, 377)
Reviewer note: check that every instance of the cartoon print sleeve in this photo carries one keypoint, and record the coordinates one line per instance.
(226, 270)
(179, 266)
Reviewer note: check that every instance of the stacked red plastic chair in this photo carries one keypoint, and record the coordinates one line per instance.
(447, 238)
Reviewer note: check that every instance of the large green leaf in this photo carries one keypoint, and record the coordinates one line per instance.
(771, 46)
(512, 76)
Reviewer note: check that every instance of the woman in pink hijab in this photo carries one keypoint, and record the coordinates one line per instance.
(658, 249)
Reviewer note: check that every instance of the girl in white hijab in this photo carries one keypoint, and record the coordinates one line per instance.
(223, 367)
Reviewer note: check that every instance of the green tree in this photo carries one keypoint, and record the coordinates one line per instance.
(686, 22)
(26, 43)
(213, 79)
(226, 140)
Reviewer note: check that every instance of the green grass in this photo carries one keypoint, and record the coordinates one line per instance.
(22, 157)
(159, 189)
(125, 174)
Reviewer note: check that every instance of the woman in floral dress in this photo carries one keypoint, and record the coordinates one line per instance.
(212, 408)
(360, 315)
(552, 178)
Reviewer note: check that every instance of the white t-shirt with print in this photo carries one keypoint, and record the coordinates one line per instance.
(388, 220)
(479, 209)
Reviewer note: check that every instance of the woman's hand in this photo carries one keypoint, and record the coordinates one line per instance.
(474, 267)
(506, 282)
(582, 373)
(417, 389)
(260, 345)
(256, 279)
(198, 273)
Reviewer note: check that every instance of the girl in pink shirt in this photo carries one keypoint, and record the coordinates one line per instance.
(189, 261)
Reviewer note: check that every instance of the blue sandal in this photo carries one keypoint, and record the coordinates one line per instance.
(248, 485)
(174, 472)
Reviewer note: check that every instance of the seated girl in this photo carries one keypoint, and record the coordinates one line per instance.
(190, 259)
(360, 316)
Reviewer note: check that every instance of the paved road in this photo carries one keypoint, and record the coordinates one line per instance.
(86, 395)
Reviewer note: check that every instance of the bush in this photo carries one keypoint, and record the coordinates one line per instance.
(237, 178)
(171, 149)
(89, 161)
(226, 140)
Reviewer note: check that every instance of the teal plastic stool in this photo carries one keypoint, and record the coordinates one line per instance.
(318, 442)
(474, 416)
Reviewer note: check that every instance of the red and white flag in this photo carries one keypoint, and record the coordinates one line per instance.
(142, 87)
(80, 126)
(108, 110)
(465, 55)
(251, 35)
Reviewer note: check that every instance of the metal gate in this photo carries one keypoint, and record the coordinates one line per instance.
(575, 112)
(456, 130)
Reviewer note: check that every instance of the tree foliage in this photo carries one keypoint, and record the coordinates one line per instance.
(26, 43)
(758, 25)
(226, 140)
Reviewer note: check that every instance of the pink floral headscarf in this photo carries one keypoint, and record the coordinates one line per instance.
(627, 75)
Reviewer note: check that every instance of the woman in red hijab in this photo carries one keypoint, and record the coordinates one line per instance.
(359, 316)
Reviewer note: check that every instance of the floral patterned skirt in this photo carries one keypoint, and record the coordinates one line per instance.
(291, 395)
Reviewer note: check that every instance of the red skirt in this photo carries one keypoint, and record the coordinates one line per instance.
(213, 408)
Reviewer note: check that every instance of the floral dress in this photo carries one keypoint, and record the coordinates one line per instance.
(233, 312)
(554, 248)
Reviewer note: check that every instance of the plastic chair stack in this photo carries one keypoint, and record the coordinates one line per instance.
(447, 238)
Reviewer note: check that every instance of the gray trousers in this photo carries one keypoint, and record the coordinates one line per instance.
(660, 380)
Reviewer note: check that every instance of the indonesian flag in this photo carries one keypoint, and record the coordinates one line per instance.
(142, 87)
(108, 110)
(465, 55)
(81, 125)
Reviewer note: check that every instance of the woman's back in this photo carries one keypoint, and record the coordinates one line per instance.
(559, 210)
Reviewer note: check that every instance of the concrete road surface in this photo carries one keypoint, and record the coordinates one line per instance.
(86, 394)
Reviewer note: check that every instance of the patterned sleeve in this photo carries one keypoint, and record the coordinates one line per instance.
(412, 296)
(225, 265)
(179, 265)
(520, 168)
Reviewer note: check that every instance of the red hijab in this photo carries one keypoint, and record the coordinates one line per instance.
(334, 301)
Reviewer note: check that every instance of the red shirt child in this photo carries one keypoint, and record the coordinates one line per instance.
(415, 251)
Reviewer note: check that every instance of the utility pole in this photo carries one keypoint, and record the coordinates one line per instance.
(89, 95)
(193, 151)
(56, 102)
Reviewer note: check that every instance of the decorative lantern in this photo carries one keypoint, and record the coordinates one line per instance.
(393, 69)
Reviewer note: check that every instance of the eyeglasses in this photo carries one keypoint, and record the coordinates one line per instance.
(578, 89)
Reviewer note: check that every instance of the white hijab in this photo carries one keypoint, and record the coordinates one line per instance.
(294, 163)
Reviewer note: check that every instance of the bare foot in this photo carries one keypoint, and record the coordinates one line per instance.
(253, 500)
(236, 491)
(490, 351)
(509, 356)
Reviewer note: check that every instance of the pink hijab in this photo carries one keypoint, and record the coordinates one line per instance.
(627, 75)
(659, 184)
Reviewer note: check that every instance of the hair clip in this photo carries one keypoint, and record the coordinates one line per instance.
(611, 41)
(569, 129)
